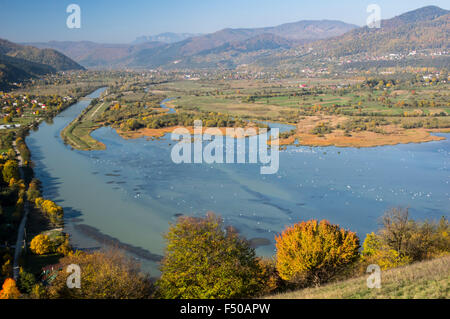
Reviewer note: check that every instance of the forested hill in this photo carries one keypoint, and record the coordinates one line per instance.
(424, 28)
(19, 62)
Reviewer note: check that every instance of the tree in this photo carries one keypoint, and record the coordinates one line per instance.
(270, 278)
(376, 252)
(396, 228)
(9, 290)
(10, 170)
(54, 212)
(38, 292)
(41, 245)
(33, 190)
(104, 275)
(205, 260)
(402, 240)
(314, 252)
(65, 248)
(7, 119)
(7, 268)
(26, 281)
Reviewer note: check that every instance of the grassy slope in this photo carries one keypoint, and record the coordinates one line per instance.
(428, 279)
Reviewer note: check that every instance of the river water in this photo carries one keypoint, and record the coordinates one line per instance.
(133, 190)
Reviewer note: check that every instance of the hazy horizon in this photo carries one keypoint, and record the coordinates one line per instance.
(119, 22)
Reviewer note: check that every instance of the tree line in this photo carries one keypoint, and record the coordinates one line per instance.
(206, 259)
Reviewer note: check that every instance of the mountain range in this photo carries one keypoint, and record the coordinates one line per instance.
(283, 46)
(152, 54)
(426, 28)
(166, 37)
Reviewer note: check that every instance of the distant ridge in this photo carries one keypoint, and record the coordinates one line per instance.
(285, 45)
(167, 37)
(97, 55)
(19, 62)
(162, 50)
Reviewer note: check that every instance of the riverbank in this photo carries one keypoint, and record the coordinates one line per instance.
(19, 210)
(78, 132)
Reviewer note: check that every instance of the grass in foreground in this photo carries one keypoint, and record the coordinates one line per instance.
(422, 280)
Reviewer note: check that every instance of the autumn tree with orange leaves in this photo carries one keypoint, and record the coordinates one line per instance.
(10, 290)
(314, 252)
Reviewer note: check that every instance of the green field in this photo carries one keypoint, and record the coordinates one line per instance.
(78, 133)
(270, 100)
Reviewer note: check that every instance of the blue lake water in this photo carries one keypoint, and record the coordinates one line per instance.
(163, 105)
(133, 190)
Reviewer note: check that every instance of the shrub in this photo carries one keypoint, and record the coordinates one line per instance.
(203, 260)
(33, 190)
(396, 228)
(9, 290)
(65, 248)
(270, 278)
(375, 252)
(401, 240)
(41, 245)
(7, 268)
(26, 281)
(54, 212)
(10, 170)
(38, 292)
(313, 253)
(104, 275)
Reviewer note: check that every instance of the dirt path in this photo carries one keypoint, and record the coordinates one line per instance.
(23, 222)
(98, 108)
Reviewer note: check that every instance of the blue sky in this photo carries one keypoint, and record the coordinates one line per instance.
(114, 21)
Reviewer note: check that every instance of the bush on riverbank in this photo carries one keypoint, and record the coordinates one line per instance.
(41, 245)
(54, 212)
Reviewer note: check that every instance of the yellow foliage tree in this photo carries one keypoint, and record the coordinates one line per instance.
(41, 244)
(9, 290)
(376, 252)
(314, 252)
(104, 275)
(49, 208)
(65, 248)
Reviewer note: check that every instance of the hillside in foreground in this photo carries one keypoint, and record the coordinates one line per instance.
(422, 280)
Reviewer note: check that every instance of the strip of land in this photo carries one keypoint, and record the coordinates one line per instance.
(78, 132)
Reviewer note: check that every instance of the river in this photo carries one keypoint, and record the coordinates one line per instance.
(131, 191)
